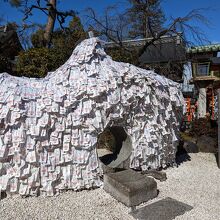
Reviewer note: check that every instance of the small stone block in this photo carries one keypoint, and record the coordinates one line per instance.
(130, 187)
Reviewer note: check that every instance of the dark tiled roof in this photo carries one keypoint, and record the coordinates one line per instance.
(205, 48)
(163, 50)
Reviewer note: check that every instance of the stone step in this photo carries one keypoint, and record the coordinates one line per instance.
(130, 187)
(164, 209)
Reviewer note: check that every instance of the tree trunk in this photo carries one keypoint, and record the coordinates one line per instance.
(50, 22)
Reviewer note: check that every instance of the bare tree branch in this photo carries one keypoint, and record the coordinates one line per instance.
(116, 27)
(104, 28)
(48, 7)
(178, 26)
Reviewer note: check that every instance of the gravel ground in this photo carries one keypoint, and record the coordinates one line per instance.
(195, 182)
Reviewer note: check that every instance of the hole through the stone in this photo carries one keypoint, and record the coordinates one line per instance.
(114, 146)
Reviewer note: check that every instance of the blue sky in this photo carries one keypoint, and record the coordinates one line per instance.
(174, 8)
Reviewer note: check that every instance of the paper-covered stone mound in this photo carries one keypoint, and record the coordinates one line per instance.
(49, 126)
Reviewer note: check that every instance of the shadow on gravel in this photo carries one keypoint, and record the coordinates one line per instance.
(216, 158)
(3, 195)
(181, 154)
(165, 209)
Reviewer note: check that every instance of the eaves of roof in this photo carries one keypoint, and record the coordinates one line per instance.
(205, 48)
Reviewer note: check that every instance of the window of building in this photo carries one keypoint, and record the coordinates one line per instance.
(201, 69)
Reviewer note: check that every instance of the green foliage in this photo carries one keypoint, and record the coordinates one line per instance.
(122, 55)
(203, 126)
(37, 39)
(37, 61)
(70, 37)
(4, 64)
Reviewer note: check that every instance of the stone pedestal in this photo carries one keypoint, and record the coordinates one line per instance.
(202, 103)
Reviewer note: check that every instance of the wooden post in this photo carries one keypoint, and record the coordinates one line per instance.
(218, 128)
